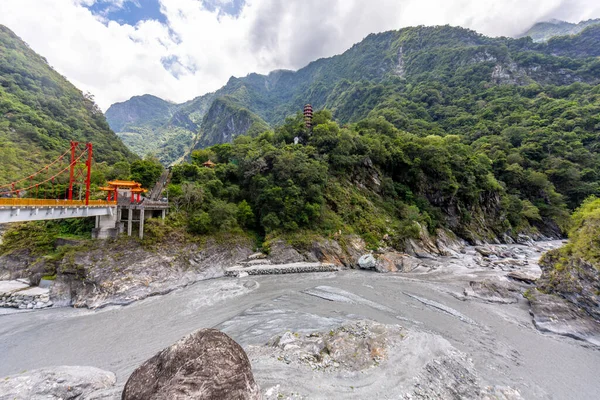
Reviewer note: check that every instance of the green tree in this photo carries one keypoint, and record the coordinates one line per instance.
(146, 171)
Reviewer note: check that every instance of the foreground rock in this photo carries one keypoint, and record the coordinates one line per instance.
(365, 359)
(57, 383)
(206, 364)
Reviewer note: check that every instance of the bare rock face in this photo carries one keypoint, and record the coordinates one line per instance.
(389, 262)
(493, 291)
(56, 383)
(206, 364)
(556, 315)
(283, 253)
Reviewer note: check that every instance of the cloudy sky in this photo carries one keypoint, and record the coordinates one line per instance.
(179, 49)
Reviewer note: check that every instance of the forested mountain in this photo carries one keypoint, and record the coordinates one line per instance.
(151, 126)
(40, 112)
(431, 79)
(543, 31)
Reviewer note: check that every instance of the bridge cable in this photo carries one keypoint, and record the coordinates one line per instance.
(45, 168)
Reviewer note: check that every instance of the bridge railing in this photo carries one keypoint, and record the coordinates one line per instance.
(10, 202)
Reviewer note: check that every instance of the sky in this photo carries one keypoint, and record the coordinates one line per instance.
(180, 49)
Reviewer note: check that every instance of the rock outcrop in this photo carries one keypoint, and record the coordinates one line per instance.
(493, 291)
(128, 272)
(343, 251)
(56, 383)
(556, 315)
(573, 279)
(206, 364)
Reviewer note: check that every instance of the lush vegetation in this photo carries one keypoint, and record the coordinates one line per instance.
(584, 235)
(40, 112)
(425, 80)
(368, 178)
(484, 136)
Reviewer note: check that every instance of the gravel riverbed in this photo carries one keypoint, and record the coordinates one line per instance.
(432, 337)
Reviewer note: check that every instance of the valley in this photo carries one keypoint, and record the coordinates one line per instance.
(428, 228)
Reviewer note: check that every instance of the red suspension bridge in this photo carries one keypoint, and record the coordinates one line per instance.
(48, 193)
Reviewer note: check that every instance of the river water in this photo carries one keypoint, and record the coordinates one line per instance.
(498, 340)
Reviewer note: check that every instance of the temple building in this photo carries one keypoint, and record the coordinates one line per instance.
(132, 208)
(123, 190)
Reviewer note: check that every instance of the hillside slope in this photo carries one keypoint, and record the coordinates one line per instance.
(40, 112)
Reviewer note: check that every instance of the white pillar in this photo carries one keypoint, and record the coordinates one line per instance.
(97, 222)
(164, 212)
(141, 223)
(129, 222)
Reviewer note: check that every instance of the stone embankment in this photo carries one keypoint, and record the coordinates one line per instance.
(264, 267)
(19, 294)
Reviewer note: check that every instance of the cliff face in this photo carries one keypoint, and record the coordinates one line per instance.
(150, 125)
(225, 121)
(573, 279)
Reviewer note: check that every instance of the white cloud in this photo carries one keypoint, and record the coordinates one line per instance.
(203, 48)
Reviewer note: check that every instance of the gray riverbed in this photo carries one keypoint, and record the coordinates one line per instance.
(497, 341)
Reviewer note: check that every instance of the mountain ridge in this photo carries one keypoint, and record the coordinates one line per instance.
(545, 30)
(414, 54)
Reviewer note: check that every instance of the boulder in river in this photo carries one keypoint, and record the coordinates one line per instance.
(367, 261)
(206, 364)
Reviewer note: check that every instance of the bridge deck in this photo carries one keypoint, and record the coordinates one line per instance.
(19, 210)
(10, 202)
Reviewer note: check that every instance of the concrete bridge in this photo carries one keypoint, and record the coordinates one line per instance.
(20, 210)
(110, 218)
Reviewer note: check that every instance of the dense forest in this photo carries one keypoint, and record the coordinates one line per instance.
(368, 178)
(40, 112)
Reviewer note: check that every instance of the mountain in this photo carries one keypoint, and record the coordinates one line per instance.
(40, 112)
(352, 84)
(543, 31)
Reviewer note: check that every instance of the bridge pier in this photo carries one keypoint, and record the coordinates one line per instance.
(106, 227)
(129, 222)
(141, 223)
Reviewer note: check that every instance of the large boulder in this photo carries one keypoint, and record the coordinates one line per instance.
(56, 383)
(367, 261)
(206, 364)
(389, 262)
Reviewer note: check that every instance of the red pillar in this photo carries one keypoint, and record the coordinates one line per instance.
(89, 174)
(132, 198)
(116, 195)
(138, 197)
(109, 196)
(72, 169)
